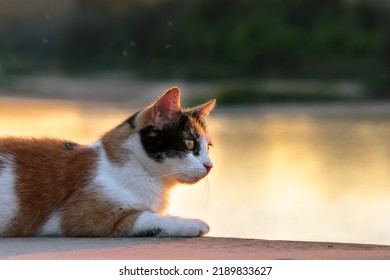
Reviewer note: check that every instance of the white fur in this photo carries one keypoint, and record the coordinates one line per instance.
(130, 184)
(170, 226)
(8, 198)
(53, 226)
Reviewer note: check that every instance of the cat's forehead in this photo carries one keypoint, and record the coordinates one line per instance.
(192, 127)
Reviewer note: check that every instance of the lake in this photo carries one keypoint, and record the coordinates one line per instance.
(313, 177)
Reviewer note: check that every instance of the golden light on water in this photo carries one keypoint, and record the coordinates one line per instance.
(280, 177)
(300, 178)
(67, 120)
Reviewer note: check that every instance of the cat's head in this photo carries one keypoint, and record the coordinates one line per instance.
(171, 142)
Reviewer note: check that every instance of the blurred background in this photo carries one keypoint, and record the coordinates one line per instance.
(302, 127)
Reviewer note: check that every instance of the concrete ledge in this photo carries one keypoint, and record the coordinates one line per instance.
(209, 248)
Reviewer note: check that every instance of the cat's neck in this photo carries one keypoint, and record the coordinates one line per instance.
(119, 180)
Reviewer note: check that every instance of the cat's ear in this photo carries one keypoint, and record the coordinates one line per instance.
(167, 107)
(202, 111)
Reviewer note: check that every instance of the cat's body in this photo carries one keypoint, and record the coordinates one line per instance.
(116, 187)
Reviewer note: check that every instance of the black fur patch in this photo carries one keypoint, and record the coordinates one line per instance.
(149, 233)
(131, 120)
(69, 146)
(168, 142)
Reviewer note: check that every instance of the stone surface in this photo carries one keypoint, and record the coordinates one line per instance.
(209, 248)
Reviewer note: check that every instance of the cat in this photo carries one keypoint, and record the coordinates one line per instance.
(116, 187)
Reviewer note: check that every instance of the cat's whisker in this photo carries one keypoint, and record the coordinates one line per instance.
(176, 172)
(214, 180)
(206, 191)
(168, 174)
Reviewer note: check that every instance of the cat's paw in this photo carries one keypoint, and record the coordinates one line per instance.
(152, 224)
(197, 228)
(188, 228)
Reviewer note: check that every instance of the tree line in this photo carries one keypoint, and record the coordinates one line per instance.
(203, 39)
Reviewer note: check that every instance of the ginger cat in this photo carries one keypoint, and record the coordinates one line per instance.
(117, 186)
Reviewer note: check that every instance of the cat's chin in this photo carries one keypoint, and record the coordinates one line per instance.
(172, 182)
(190, 180)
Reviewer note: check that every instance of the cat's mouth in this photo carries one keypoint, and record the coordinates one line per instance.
(184, 175)
(192, 179)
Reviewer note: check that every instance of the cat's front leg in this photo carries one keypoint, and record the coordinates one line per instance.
(152, 224)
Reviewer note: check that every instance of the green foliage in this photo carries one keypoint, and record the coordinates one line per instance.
(251, 94)
(203, 39)
(4, 78)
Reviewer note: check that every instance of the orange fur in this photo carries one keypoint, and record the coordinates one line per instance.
(87, 214)
(63, 187)
(112, 141)
(57, 181)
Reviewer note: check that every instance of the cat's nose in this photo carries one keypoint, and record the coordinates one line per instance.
(208, 166)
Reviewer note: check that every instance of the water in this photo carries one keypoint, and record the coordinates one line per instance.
(314, 178)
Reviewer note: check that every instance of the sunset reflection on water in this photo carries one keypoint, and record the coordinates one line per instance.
(276, 177)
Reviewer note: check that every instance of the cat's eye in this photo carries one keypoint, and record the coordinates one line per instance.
(190, 144)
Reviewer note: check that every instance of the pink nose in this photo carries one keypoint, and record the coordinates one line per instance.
(208, 166)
